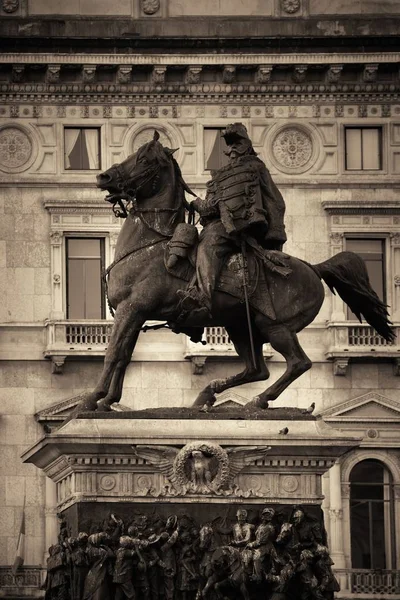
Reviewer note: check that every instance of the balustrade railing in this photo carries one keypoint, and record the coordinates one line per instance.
(369, 583)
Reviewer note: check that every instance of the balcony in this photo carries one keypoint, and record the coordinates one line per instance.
(365, 583)
(351, 341)
(76, 338)
(217, 346)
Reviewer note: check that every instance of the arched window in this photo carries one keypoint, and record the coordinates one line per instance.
(371, 516)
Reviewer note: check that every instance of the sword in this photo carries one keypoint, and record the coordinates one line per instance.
(246, 299)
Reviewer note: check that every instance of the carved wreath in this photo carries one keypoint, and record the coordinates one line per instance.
(220, 478)
(219, 465)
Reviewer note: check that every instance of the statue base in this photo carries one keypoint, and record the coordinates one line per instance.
(178, 483)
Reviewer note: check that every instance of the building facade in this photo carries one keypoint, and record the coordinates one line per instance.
(83, 84)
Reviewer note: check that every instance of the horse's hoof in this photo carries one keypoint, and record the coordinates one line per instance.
(103, 406)
(205, 398)
(257, 403)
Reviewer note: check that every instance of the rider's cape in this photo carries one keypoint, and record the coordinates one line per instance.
(243, 195)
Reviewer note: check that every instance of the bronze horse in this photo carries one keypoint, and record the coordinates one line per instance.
(140, 288)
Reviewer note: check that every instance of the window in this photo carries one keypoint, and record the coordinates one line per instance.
(81, 148)
(372, 250)
(85, 290)
(363, 148)
(214, 146)
(371, 516)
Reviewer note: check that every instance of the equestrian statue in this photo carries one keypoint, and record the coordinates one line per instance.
(234, 274)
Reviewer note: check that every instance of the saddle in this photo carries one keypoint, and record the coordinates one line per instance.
(180, 262)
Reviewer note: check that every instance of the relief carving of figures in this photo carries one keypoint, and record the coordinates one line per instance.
(269, 553)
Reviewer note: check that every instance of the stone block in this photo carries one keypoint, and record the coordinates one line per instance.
(7, 520)
(7, 227)
(171, 397)
(365, 376)
(15, 490)
(34, 520)
(40, 227)
(21, 281)
(3, 551)
(386, 379)
(34, 550)
(41, 307)
(42, 283)
(161, 375)
(189, 396)
(335, 7)
(45, 397)
(37, 254)
(33, 430)
(334, 397)
(19, 308)
(24, 229)
(14, 429)
(322, 376)
(221, 8)
(2, 484)
(35, 490)
(16, 254)
(55, 7)
(303, 229)
(104, 7)
(14, 374)
(38, 374)
(11, 548)
(2, 253)
(138, 399)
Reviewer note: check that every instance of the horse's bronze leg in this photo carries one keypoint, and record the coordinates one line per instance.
(127, 324)
(286, 343)
(115, 390)
(251, 373)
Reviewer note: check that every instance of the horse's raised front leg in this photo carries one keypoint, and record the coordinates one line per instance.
(286, 343)
(251, 373)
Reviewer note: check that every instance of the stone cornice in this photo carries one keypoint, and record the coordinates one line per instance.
(200, 59)
(339, 207)
(183, 93)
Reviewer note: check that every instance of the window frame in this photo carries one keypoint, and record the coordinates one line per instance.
(103, 302)
(81, 127)
(381, 130)
(388, 502)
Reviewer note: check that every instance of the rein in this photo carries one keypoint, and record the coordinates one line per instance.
(140, 212)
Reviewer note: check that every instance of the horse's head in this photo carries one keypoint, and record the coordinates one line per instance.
(140, 175)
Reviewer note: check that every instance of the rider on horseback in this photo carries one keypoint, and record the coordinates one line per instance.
(242, 203)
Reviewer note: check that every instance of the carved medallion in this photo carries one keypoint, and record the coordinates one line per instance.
(290, 6)
(150, 7)
(10, 6)
(146, 135)
(15, 148)
(289, 483)
(107, 483)
(292, 148)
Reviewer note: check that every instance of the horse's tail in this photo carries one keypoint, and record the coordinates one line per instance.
(346, 272)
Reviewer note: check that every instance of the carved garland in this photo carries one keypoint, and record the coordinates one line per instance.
(223, 472)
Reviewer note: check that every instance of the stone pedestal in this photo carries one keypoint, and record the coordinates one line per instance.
(196, 465)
